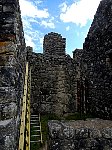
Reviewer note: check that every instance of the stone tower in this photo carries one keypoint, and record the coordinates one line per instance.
(54, 44)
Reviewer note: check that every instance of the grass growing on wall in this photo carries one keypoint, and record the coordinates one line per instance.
(44, 121)
(78, 116)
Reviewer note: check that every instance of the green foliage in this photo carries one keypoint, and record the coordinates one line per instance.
(44, 121)
(78, 116)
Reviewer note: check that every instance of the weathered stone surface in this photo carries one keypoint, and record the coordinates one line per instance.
(8, 134)
(93, 69)
(12, 63)
(54, 44)
(76, 135)
(52, 77)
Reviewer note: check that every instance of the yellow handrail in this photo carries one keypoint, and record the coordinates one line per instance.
(40, 130)
(24, 140)
(28, 114)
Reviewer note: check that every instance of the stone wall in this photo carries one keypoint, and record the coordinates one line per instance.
(51, 84)
(79, 88)
(52, 78)
(96, 63)
(12, 63)
(54, 44)
(92, 134)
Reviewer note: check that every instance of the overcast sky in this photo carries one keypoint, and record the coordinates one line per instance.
(71, 18)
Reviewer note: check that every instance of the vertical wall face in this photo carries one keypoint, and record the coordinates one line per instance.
(79, 86)
(54, 44)
(52, 78)
(12, 60)
(97, 58)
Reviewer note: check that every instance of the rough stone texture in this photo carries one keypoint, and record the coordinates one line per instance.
(52, 78)
(60, 84)
(12, 61)
(96, 63)
(77, 60)
(93, 134)
(54, 44)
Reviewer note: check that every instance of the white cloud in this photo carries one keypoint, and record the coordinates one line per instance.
(29, 41)
(32, 14)
(63, 7)
(79, 12)
(26, 23)
(48, 24)
(29, 9)
(68, 28)
(34, 39)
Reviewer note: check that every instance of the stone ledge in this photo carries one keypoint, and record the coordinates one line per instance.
(91, 134)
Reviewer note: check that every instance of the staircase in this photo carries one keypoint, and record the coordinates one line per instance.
(35, 132)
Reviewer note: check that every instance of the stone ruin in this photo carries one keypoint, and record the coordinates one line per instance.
(95, 70)
(60, 84)
(52, 77)
(54, 44)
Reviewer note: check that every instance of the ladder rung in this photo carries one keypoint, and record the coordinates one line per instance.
(36, 130)
(35, 141)
(33, 120)
(36, 126)
(33, 123)
(34, 135)
(34, 116)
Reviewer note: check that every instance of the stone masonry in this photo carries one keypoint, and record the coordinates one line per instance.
(12, 62)
(60, 84)
(92, 134)
(52, 77)
(54, 44)
(96, 67)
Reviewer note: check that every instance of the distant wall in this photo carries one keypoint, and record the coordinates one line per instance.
(52, 77)
(51, 87)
